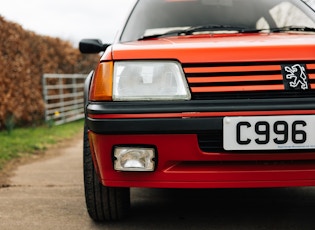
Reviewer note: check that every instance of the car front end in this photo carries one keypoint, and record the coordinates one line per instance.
(164, 121)
(201, 94)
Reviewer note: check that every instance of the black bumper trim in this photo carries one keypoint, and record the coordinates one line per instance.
(155, 126)
(178, 125)
(201, 106)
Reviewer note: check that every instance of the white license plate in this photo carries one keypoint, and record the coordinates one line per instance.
(269, 132)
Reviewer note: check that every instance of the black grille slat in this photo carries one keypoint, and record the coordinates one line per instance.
(233, 83)
(245, 73)
(227, 64)
(253, 95)
(213, 142)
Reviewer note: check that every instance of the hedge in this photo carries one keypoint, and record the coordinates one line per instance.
(24, 57)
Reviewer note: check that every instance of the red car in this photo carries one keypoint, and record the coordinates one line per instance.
(200, 94)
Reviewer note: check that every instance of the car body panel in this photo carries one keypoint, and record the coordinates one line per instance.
(256, 47)
(172, 126)
(184, 165)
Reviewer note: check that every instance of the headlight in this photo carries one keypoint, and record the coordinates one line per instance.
(149, 80)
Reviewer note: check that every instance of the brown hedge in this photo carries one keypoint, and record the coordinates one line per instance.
(24, 57)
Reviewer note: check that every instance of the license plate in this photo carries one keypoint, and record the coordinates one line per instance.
(269, 132)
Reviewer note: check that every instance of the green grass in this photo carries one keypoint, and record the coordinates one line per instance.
(26, 141)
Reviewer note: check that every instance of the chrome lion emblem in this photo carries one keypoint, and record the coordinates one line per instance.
(295, 77)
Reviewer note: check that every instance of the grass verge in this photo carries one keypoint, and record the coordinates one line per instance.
(25, 141)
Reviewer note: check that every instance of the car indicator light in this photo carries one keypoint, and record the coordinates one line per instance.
(102, 83)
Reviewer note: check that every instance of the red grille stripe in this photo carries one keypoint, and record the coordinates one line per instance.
(236, 88)
(310, 66)
(218, 69)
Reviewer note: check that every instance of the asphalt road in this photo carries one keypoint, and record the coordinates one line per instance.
(48, 194)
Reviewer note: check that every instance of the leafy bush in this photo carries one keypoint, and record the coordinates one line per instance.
(25, 57)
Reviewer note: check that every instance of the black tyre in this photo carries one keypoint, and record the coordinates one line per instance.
(103, 203)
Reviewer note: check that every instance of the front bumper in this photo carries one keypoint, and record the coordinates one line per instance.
(181, 164)
(177, 137)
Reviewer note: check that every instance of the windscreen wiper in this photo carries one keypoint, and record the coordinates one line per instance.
(214, 27)
(166, 34)
(291, 28)
(194, 29)
(240, 29)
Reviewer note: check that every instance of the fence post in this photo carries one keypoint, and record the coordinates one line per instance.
(45, 95)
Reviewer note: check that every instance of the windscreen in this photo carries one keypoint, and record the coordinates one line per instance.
(151, 17)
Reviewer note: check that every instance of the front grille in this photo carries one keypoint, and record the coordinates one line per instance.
(213, 142)
(246, 80)
(250, 80)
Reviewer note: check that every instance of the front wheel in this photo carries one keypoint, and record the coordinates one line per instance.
(103, 203)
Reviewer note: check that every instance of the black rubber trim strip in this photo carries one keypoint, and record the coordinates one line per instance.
(155, 126)
(201, 106)
(181, 125)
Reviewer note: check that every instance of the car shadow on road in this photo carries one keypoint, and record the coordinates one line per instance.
(277, 208)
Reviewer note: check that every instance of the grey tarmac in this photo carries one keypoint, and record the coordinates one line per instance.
(48, 194)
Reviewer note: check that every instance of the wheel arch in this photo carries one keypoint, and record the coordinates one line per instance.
(87, 85)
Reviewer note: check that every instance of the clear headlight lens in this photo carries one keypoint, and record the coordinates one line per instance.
(149, 80)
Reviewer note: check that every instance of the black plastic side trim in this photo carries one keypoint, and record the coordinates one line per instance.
(154, 126)
(87, 84)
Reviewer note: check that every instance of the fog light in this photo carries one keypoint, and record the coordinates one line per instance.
(134, 159)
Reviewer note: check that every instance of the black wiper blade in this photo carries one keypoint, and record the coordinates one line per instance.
(214, 27)
(292, 28)
(166, 34)
(194, 29)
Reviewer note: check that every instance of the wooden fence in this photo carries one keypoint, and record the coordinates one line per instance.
(63, 97)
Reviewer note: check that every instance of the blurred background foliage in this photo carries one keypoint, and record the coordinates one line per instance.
(24, 58)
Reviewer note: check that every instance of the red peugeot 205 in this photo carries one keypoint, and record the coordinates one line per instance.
(200, 94)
